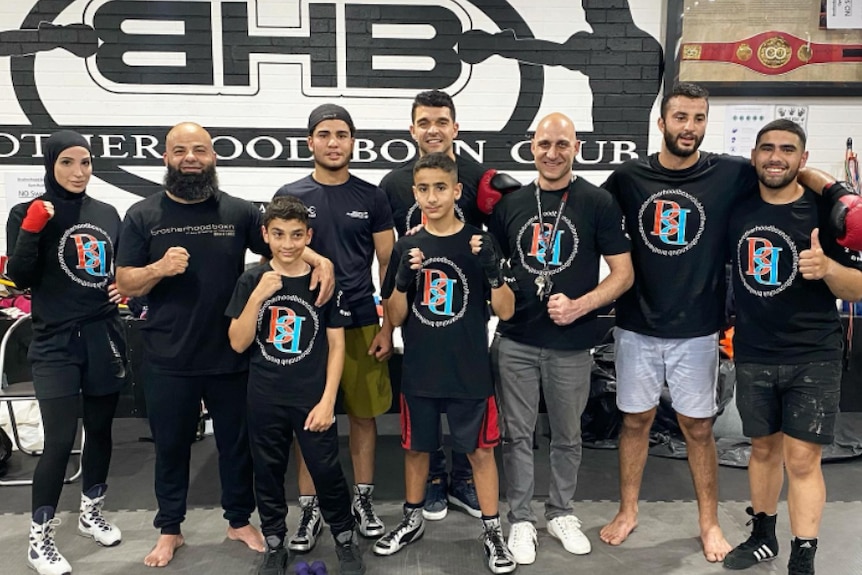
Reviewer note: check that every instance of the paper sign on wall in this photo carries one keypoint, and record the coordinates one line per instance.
(741, 126)
(23, 187)
(844, 14)
(796, 114)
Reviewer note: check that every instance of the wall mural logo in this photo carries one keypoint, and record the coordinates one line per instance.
(355, 49)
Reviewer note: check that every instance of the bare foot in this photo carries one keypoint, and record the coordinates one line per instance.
(715, 546)
(163, 552)
(618, 530)
(248, 535)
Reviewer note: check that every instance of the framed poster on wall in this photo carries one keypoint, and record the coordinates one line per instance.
(763, 48)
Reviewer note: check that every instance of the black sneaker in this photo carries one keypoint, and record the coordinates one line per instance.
(411, 529)
(436, 506)
(762, 545)
(275, 558)
(802, 557)
(349, 554)
(500, 559)
(309, 526)
(462, 494)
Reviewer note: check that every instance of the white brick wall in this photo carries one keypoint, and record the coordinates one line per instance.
(66, 86)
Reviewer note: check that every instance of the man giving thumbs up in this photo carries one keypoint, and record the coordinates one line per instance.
(788, 271)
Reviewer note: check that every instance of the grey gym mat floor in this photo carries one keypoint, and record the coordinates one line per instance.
(664, 543)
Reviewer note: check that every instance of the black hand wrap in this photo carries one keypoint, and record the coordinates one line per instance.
(404, 276)
(489, 258)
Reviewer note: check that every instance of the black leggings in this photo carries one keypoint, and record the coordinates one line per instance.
(60, 420)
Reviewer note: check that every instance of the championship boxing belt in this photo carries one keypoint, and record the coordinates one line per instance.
(771, 53)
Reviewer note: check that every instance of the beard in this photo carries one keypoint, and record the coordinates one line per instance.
(670, 141)
(192, 187)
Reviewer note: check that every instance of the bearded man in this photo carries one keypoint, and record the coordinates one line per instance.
(184, 248)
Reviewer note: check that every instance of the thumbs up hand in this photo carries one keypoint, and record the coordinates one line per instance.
(813, 263)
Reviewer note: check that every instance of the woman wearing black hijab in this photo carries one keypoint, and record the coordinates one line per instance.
(61, 246)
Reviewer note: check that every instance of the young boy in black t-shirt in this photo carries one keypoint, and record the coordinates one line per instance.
(296, 360)
(438, 288)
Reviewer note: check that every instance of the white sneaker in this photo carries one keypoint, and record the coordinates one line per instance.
(567, 528)
(91, 522)
(42, 554)
(523, 542)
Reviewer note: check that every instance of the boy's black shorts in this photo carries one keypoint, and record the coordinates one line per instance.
(472, 423)
(800, 400)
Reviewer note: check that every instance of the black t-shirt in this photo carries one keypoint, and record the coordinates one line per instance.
(186, 329)
(446, 330)
(677, 220)
(590, 227)
(69, 264)
(344, 219)
(782, 318)
(398, 185)
(290, 349)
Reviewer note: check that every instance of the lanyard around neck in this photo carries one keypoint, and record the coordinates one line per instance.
(541, 222)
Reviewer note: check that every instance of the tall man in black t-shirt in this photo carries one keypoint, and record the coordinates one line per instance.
(787, 271)
(555, 232)
(185, 248)
(352, 223)
(676, 205)
(434, 129)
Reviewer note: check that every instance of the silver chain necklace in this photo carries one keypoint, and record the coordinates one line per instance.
(543, 281)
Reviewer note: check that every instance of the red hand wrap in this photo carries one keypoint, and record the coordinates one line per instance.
(37, 217)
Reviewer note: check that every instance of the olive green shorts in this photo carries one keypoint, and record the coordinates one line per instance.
(364, 381)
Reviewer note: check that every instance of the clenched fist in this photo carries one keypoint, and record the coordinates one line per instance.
(174, 262)
(269, 283)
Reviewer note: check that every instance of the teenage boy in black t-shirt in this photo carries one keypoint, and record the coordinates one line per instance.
(437, 289)
(787, 272)
(434, 128)
(352, 224)
(296, 361)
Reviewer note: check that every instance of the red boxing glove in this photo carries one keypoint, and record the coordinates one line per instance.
(492, 187)
(37, 217)
(846, 215)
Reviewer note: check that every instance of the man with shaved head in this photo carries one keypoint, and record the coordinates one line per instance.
(555, 231)
(184, 248)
